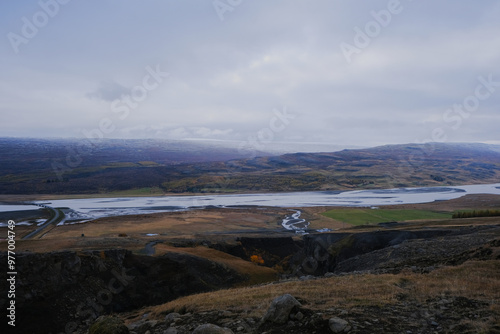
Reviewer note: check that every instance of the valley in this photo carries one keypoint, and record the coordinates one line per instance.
(170, 246)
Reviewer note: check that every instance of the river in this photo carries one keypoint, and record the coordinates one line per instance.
(91, 208)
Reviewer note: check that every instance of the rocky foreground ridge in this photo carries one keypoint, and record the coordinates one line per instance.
(65, 292)
(287, 315)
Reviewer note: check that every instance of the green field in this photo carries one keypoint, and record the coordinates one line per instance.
(360, 216)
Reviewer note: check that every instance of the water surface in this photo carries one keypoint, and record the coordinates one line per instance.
(92, 208)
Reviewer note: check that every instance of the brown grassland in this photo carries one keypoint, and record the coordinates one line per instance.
(479, 280)
(131, 231)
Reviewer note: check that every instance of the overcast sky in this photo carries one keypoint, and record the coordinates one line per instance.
(335, 72)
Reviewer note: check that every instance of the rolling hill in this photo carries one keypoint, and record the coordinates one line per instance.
(124, 165)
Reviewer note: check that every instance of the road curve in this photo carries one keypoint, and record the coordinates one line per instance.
(58, 216)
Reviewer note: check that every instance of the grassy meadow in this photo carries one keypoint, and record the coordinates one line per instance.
(361, 216)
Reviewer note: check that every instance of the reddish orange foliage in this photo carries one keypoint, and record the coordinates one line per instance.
(257, 259)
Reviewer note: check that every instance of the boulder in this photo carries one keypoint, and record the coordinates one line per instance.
(211, 329)
(171, 330)
(169, 318)
(338, 325)
(280, 309)
(142, 326)
(108, 325)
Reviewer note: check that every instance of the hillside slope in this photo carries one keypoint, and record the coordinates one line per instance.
(390, 166)
(432, 164)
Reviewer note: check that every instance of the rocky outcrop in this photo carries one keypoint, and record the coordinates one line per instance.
(423, 255)
(338, 325)
(438, 315)
(280, 309)
(392, 249)
(62, 291)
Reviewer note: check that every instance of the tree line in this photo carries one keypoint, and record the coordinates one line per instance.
(476, 213)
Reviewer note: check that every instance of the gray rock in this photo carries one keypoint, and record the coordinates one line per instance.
(169, 318)
(338, 325)
(280, 309)
(226, 314)
(171, 330)
(299, 316)
(211, 329)
(142, 325)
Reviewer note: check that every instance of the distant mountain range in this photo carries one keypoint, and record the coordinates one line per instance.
(49, 166)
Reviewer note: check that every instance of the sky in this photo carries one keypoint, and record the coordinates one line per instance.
(318, 72)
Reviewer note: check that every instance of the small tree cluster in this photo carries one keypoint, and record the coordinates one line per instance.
(257, 259)
(476, 213)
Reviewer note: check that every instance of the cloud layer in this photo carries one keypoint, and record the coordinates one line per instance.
(351, 73)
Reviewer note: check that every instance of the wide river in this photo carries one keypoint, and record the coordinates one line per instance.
(92, 208)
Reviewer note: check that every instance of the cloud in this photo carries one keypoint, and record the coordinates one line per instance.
(108, 91)
(206, 132)
(226, 77)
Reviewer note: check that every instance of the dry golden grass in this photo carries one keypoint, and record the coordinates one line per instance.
(475, 279)
(345, 291)
(178, 224)
(40, 246)
(19, 229)
(76, 244)
(256, 274)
